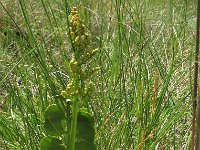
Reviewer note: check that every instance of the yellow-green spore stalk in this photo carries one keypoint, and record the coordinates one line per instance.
(80, 84)
(79, 36)
(80, 72)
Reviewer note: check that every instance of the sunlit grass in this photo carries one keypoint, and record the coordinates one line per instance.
(143, 96)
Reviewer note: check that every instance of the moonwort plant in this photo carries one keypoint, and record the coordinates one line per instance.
(81, 132)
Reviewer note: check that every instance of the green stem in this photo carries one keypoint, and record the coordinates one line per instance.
(74, 123)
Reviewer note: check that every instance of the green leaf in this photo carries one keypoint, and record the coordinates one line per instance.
(85, 132)
(51, 143)
(82, 145)
(2, 126)
(85, 116)
(53, 120)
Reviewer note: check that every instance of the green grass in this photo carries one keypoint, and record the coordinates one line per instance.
(142, 98)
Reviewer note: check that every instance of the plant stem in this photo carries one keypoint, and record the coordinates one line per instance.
(74, 123)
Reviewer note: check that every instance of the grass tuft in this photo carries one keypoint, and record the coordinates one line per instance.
(143, 92)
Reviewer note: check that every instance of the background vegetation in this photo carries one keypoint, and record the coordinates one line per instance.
(142, 98)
